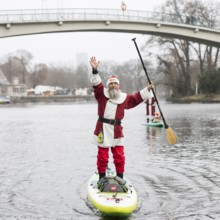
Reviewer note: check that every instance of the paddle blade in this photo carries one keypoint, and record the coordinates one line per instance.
(171, 136)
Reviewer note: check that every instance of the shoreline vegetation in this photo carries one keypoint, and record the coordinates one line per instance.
(206, 98)
(54, 98)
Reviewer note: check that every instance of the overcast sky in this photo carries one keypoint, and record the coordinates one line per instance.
(62, 47)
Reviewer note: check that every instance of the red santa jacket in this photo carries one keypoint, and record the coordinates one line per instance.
(125, 102)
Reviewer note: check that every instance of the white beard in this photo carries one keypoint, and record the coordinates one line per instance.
(114, 93)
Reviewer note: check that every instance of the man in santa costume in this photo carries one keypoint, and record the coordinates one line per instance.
(108, 133)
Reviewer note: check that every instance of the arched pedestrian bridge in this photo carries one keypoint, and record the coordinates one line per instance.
(39, 21)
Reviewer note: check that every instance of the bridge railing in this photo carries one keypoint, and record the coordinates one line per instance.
(80, 14)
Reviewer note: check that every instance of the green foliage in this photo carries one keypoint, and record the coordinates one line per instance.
(210, 81)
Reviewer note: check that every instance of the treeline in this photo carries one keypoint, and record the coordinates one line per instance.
(186, 64)
(19, 64)
(178, 66)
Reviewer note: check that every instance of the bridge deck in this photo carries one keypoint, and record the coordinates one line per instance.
(71, 14)
(39, 21)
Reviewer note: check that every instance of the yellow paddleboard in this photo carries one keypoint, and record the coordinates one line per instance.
(112, 202)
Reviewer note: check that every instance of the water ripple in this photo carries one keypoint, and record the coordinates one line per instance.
(47, 157)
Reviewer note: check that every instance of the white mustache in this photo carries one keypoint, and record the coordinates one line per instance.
(114, 93)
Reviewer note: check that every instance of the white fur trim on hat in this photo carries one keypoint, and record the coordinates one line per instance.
(112, 79)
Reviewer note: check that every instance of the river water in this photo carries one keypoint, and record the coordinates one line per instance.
(47, 157)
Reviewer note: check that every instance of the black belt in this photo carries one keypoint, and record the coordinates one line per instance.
(110, 121)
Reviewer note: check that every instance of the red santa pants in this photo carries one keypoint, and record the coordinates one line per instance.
(118, 157)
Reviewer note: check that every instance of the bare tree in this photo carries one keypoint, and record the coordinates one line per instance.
(185, 55)
(39, 75)
(7, 67)
(81, 77)
(24, 57)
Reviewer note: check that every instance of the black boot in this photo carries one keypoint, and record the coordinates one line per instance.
(120, 175)
(101, 180)
(101, 175)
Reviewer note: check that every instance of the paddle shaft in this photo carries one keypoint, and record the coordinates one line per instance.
(145, 70)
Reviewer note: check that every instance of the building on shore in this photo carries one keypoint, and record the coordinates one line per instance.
(8, 89)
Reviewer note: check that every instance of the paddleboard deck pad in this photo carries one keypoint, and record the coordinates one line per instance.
(153, 124)
(112, 195)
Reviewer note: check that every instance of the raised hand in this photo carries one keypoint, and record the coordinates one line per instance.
(94, 63)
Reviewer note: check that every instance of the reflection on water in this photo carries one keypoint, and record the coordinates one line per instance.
(47, 157)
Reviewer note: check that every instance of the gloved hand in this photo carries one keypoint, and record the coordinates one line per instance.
(94, 63)
(94, 71)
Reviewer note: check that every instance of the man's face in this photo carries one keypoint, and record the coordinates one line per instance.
(113, 90)
(113, 85)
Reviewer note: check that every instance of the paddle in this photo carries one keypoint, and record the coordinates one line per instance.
(170, 134)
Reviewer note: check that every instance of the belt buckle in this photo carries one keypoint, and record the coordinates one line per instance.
(112, 122)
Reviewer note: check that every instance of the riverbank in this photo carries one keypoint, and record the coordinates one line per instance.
(208, 98)
(55, 98)
(211, 98)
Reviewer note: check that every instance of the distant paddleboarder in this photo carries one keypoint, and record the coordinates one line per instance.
(151, 113)
(150, 109)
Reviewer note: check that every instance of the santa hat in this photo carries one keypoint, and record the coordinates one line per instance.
(112, 79)
(157, 114)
